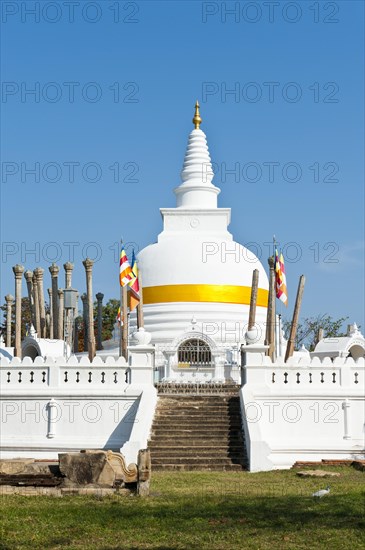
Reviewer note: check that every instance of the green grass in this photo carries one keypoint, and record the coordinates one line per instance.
(191, 510)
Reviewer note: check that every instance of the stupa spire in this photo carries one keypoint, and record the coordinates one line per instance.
(197, 120)
(197, 189)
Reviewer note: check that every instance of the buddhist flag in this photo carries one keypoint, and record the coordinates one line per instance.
(280, 278)
(118, 318)
(125, 270)
(134, 296)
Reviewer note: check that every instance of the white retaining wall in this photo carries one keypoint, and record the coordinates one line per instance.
(53, 406)
(302, 410)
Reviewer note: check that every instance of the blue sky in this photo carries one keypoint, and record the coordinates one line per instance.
(115, 88)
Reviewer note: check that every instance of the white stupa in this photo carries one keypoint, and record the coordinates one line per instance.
(196, 278)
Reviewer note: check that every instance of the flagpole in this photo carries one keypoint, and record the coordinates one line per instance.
(140, 319)
(120, 323)
(253, 299)
(120, 309)
(274, 335)
(279, 335)
(294, 324)
(124, 313)
(270, 319)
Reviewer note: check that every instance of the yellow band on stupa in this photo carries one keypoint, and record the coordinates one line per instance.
(225, 294)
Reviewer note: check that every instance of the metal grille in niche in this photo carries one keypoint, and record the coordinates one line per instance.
(194, 353)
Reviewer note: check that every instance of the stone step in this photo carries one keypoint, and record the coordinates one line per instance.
(209, 461)
(198, 418)
(170, 411)
(195, 401)
(184, 456)
(196, 442)
(219, 423)
(198, 431)
(165, 388)
(200, 467)
(236, 447)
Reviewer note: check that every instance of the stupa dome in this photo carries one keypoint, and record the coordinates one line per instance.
(196, 268)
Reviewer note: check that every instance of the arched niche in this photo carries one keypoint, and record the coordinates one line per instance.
(194, 352)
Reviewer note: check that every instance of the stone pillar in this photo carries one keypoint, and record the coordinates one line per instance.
(18, 272)
(68, 267)
(60, 314)
(99, 298)
(54, 269)
(48, 323)
(49, 290)
(85, 320)
(88, 264)
(9, 305)
(37, 317)
(76, 311)
(28, 275)
(39, 272)
(76, 337)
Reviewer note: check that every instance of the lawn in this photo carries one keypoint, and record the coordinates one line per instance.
(196, 510)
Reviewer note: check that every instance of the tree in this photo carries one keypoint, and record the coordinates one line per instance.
(307, 332)
(109, 315)
(26, 319)
(110, 311)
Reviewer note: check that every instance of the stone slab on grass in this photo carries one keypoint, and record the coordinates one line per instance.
(317, 473)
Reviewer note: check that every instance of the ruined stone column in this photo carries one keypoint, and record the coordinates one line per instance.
(88, 264)
(85, 318)
(54, 269)
(49, 290)
(48, 323)
(60, 314)
(18, 272)
(68, 267)
(28, 275)
(37, 316)
(39, 272)
(99, 298)
(9, 305)
(76, 337)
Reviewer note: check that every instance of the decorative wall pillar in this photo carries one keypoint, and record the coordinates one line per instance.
(85, 319)
(9, 305)
(37, 317)
(18, 272)
(99, 298)
(52, 417)
(88, 264)
(54, 270)
(49, 290)
(39, 272)
(28, 275)
(219, 362)
(60, 314)
(346, 418)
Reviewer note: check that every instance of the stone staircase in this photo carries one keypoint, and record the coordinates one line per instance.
(197, 428)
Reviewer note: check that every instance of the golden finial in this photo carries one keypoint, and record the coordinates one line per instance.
(197, 120)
